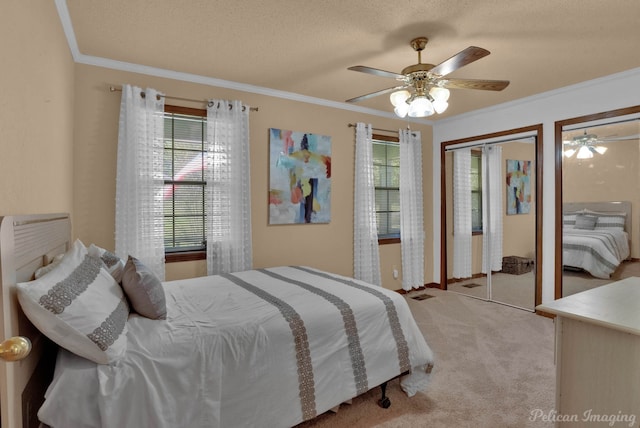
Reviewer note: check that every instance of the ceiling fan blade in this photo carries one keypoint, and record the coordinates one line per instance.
(482, 84)
(375, 94)
(628, 137)
(462, 58)
(376, 72)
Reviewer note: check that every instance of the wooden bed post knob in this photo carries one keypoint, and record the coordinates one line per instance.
(15, 348)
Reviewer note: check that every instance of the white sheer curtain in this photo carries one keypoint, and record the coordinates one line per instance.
(228, 192)
(139, 181)
(411, 215)
(462, 213)
(492, 208)
(366, 259)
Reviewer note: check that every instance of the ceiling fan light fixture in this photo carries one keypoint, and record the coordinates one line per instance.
(600, 149)
(584, 153)
(399, 98)
(401, 109)
(440, 106)
(420, 106)
(569, 152)
(439, 94)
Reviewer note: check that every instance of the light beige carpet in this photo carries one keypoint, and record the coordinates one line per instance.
(494, 367)
(575, 282)
(516, 290)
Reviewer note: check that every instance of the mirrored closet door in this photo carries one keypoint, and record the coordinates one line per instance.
(599, 172)
(490, 222)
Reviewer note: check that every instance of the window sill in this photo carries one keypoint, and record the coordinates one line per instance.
(185, 256)
(385, 241)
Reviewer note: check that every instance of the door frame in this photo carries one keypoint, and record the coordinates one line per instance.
(537, 129)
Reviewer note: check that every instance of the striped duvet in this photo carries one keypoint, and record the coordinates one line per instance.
(599, 252)
(261, 348)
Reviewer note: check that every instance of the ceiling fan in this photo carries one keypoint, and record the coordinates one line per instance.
(585, 145)
(424, 88)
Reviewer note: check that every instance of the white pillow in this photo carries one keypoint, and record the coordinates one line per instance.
(79, 306)
(48, 268)
(113, 263)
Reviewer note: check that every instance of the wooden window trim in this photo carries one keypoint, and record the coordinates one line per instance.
(386, 241)
(185, 256)
(396, 140)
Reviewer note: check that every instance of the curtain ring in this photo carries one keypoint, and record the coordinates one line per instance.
(230, 106)
(142, 94)
(210, 103)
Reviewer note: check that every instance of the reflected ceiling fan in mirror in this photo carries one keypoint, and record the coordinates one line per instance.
(424, 88)
(585, 145)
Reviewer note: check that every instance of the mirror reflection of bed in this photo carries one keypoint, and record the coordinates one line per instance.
(600, 194)
(596, 244)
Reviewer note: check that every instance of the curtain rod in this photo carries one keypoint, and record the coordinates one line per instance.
(168, 97)
(353, 125)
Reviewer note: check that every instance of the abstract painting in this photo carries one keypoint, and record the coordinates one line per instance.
(518, 186)
(299, 177)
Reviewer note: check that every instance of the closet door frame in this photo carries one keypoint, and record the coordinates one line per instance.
(535, 130)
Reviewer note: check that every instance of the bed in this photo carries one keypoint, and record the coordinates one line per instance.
(596, 236)
(266, 347)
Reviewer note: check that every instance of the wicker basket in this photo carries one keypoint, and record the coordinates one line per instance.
(517, 265)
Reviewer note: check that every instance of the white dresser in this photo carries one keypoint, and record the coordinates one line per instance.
(598, 356)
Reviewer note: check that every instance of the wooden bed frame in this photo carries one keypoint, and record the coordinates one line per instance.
(26, 243)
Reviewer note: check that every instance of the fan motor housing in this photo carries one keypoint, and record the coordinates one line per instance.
(417, 68)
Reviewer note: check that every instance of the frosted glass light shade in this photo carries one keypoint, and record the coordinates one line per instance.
(440, 106)
(401, 109)
(439, 94)
(420, 107)
(584, 153)
(399, 97)
(600, 149)
(568, 153)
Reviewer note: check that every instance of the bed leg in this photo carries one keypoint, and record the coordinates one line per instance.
(384, 401)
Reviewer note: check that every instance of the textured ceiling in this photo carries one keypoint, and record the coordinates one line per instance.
(304, 47)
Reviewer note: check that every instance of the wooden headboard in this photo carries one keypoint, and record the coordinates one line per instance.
(26, 243)
(603, 207)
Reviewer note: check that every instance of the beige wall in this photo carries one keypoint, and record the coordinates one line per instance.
(519, 231)
(326, 246)
(614, 176)
(36, 110)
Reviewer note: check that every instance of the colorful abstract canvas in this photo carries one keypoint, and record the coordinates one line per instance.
(299, 177)
(518, 187)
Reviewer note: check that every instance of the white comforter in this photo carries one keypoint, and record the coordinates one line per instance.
(599, 252)
(226, 355)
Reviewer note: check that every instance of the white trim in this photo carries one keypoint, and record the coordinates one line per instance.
(67, 27)
(80, 58)
(542, 95)
(523, 137)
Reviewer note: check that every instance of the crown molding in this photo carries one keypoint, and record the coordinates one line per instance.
(81, 58)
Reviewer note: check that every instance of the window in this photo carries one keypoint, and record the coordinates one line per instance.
(476, 191)
(184, 180)
(386, 171)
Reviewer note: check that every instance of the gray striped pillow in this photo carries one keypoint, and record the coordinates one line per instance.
(609, 221)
